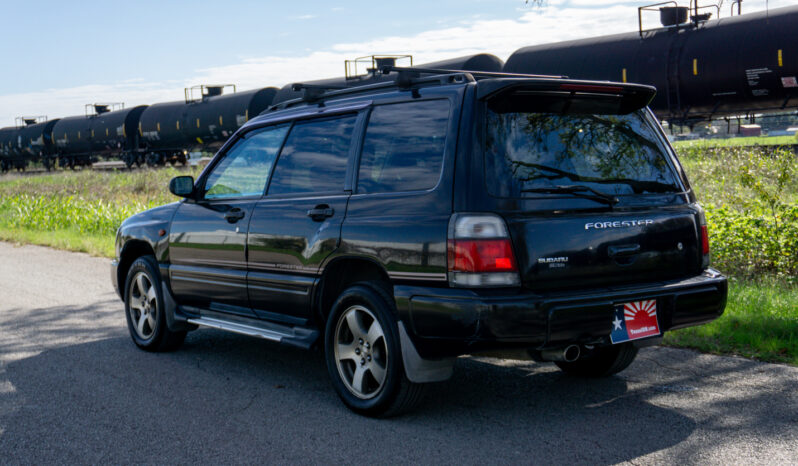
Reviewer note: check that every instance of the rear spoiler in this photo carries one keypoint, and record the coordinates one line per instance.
(632, 96)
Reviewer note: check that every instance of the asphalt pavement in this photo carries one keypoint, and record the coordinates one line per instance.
(74, 389)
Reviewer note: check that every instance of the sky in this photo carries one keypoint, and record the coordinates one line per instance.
(58, 56)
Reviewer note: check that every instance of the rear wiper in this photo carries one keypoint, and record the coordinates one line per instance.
(575, 189)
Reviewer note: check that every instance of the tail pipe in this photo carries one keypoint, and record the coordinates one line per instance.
(568, 354)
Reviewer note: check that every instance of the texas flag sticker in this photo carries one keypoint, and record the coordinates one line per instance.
(634, 321)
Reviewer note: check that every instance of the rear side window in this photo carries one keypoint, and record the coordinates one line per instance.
(616, 154)
(245, 168)
(403, 148)
(314, 157)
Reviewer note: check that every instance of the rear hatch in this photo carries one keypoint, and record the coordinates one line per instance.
(590, 191)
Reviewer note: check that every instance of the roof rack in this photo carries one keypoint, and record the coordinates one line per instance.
(100, 108)
(406, 78)
(22, 121)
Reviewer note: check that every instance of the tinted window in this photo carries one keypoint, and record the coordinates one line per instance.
(403, 149)
(314, 157)
(245, 168)
(616, 154)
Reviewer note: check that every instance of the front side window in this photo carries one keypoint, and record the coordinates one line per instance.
(528, 153)
(314, 157)
(245, 168)
(403, 149)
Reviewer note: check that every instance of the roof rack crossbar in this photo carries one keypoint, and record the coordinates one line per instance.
(313, 92)
(301, 86)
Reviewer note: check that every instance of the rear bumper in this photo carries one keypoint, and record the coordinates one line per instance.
(447, 322)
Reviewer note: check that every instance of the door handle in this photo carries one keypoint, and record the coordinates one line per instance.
(320, 212)
(623, 250)
(235, 214)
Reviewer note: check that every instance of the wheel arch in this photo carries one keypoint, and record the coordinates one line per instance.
(342, 272)
(132, 250)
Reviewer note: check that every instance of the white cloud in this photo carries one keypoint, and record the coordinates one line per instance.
(558, 21)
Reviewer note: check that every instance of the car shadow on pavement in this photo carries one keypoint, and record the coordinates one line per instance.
(228, 398)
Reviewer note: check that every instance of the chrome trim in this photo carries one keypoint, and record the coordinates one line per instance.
(207, 282)
(235, 327)
(418, 276)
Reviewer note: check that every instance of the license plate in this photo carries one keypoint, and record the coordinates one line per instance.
(635, 320)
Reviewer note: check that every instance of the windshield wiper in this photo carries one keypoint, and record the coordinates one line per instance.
(575, 189)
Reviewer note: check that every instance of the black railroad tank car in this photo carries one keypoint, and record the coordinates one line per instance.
(477, 62)
(72, 140)
(82, 140)
(35, 141)
(115, 134)
(701, 69)
(169, 130)
(10, 156)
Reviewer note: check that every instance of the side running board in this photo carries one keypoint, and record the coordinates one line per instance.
(295, 336)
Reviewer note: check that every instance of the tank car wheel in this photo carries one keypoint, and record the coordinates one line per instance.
(152, 159)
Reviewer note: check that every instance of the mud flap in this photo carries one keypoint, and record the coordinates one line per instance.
(421, 370)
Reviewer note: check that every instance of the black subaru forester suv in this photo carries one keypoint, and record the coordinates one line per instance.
(430, 214)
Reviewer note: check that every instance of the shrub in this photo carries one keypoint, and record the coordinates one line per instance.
(750, 196)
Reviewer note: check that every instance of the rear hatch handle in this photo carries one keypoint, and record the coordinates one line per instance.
(623, 250)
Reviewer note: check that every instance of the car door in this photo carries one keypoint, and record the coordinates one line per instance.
(298, 223)
(208, 237)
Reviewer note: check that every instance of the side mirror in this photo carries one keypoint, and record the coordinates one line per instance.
(182, 186)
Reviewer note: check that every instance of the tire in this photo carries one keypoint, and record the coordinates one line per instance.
(364, 356)
(601, 362)
(144, 308)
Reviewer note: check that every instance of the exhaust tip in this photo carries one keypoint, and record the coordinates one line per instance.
(568, 354)
(571, 353)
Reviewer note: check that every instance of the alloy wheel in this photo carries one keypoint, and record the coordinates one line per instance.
(143, 305)
(361, 353)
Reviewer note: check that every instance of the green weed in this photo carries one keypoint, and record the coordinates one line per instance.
(760, 321)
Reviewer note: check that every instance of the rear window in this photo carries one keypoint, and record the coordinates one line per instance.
(615, 154)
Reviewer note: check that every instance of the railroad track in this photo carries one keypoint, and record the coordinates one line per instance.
(113, 165)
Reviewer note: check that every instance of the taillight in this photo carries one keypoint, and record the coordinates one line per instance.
(480, 252)
(702, 221)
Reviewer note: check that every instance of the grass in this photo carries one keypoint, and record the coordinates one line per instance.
(715, 174)
(737, 142)
(79, 211)
(760, 322)
(69, 239)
